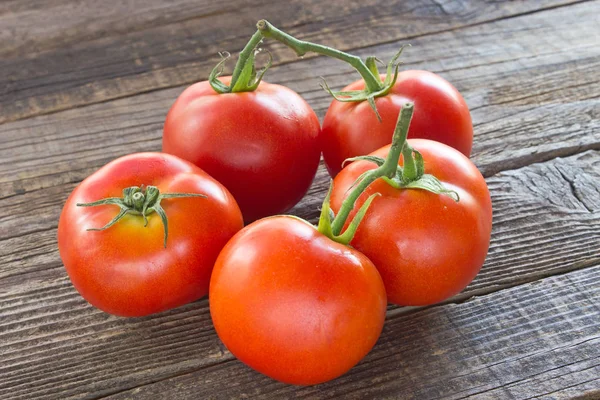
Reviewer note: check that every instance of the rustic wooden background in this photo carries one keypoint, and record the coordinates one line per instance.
(84, 81)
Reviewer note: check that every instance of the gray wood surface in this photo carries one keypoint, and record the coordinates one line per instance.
(83, 82)
(474, 349)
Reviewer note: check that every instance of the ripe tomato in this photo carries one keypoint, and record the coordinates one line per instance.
(262, 145)
(126, 269)
(293, 304)
(352, 129)
(426, 246)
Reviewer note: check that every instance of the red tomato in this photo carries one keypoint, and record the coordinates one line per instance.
(126, 269)
(262, 145)
(293, 304)
(352, 129)
(426, 246)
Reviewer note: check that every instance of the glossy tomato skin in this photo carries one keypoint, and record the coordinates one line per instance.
(294, 305)
(427, 247)
(352, 129)
(262, 145)
(126, 270)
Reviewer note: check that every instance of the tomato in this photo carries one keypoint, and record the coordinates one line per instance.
(352, 129)
(126, 269)
(262, 145)
(293, 304)
(427, 247)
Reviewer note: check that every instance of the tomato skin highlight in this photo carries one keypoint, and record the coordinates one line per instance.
(262, 145)
(426, 246)
(352, 129)
(293, 304)
(126, 270)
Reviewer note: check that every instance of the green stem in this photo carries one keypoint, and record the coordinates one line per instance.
(138, 200)
(301, 47)
(348, 235)
(387, 169)
(325, 219)
(244, 55)
(390, 165)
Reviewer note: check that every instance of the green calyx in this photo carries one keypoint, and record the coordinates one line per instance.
(245, 77)
(139, 201)
(369, 94)
(411, 176)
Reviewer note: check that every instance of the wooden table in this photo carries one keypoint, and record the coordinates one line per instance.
(83, 82)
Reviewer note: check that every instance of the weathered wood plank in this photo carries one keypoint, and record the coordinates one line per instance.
(33, 27)
(53, 344)
(516, 122)
(533, 340)
(106, 51)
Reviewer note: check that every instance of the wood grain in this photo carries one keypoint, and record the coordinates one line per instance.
(528, 71)
(113, 49)
(53, 344)
(534, 340)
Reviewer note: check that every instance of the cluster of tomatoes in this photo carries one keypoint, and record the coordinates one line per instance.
(153, 231)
